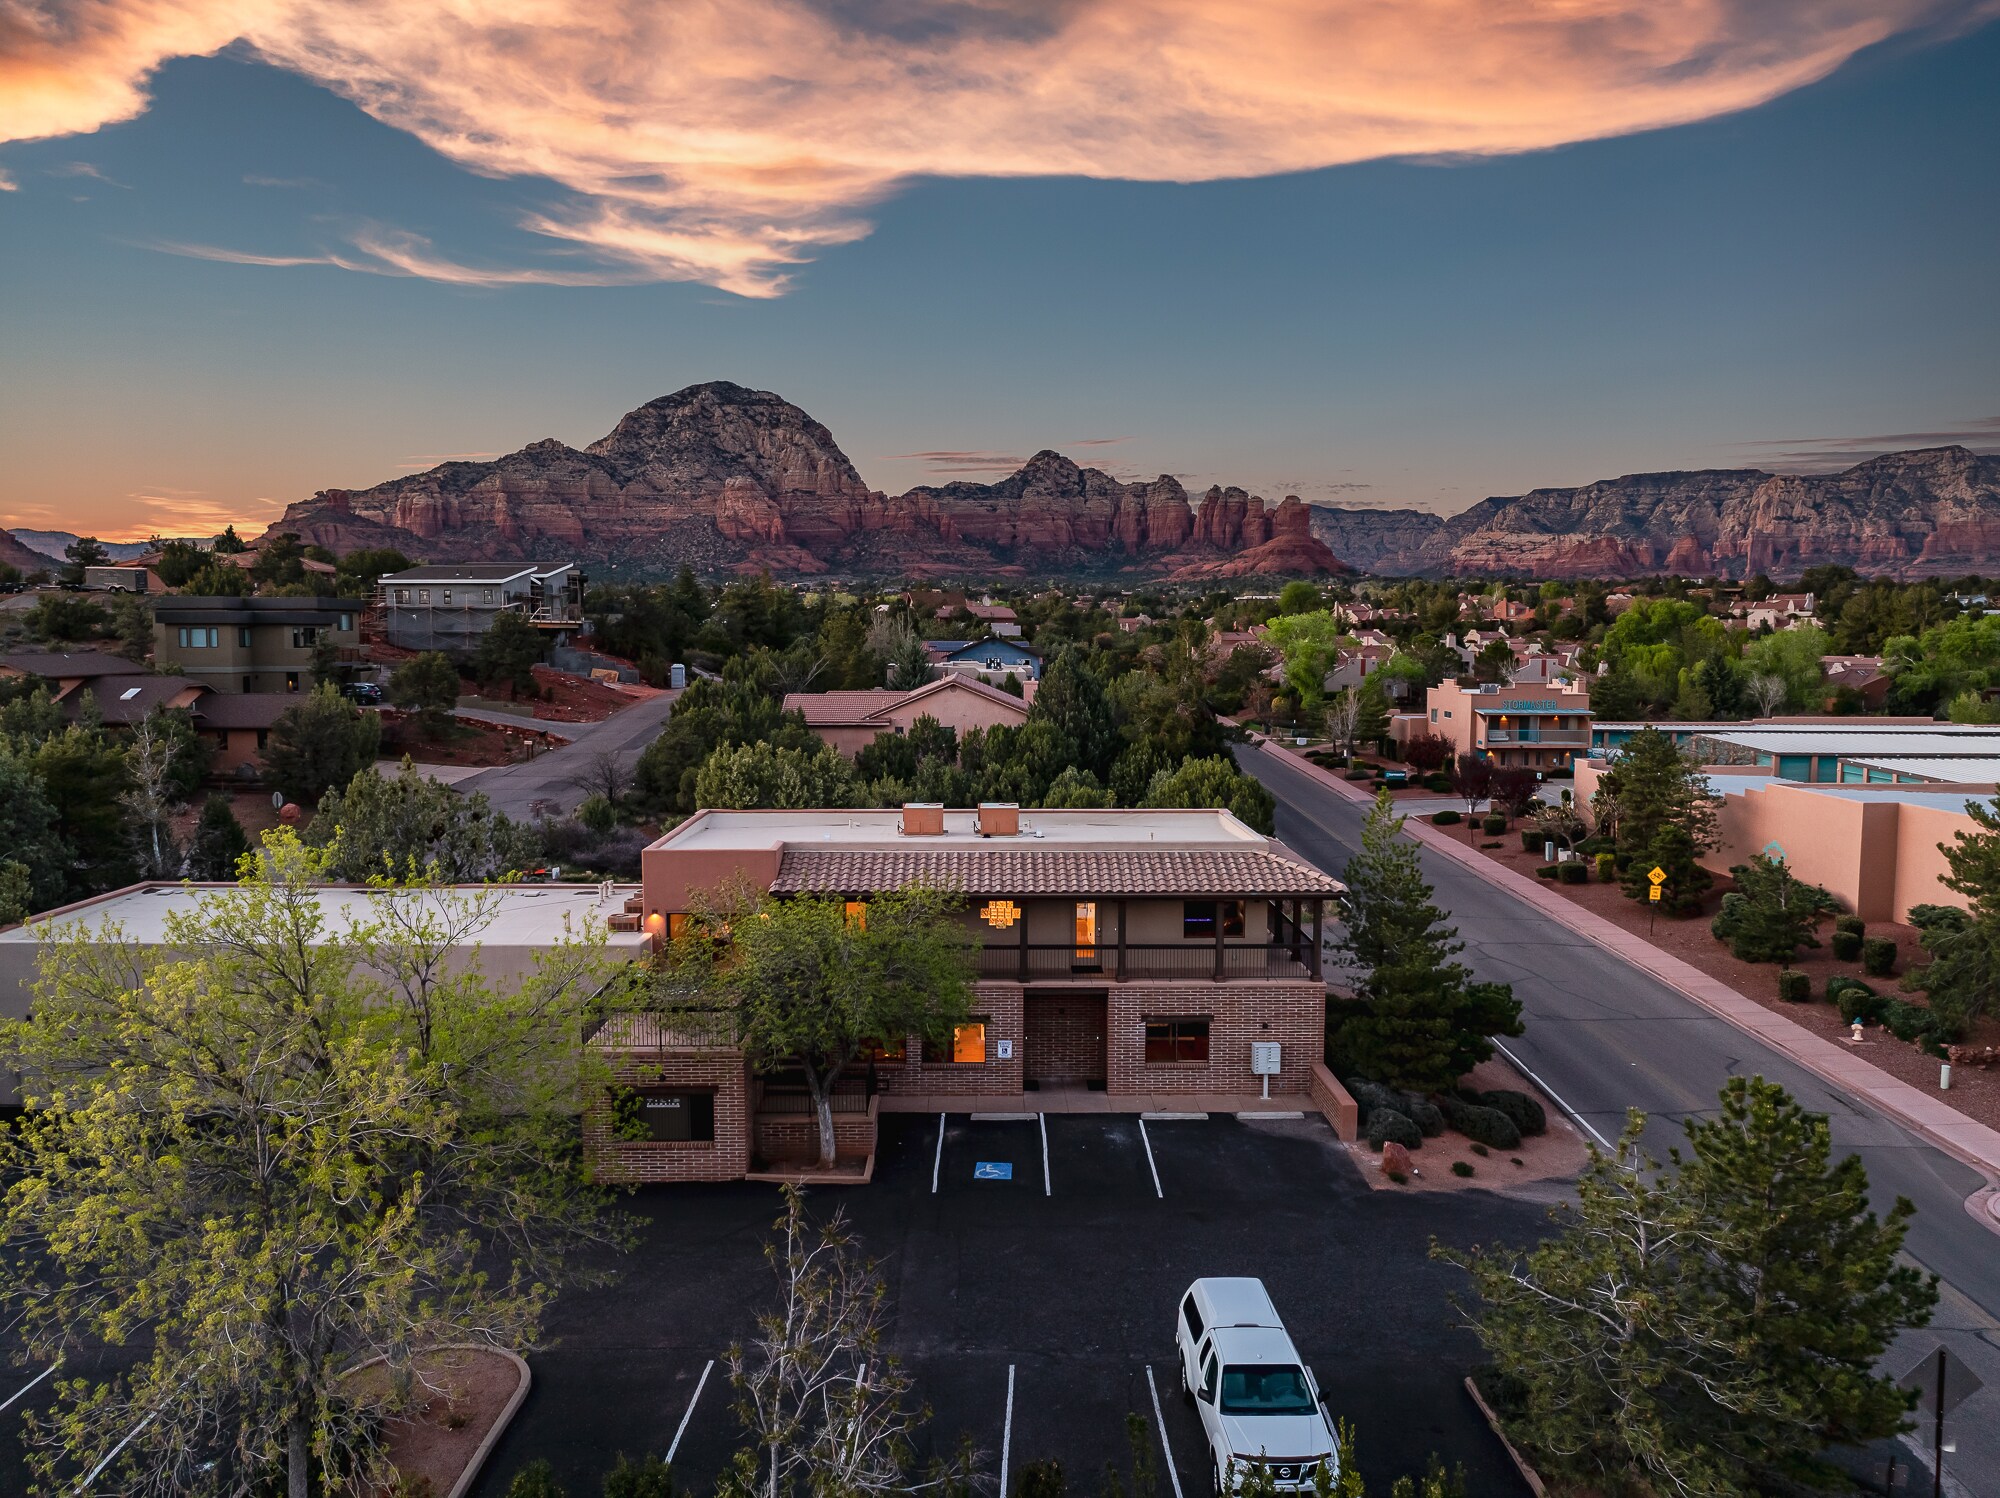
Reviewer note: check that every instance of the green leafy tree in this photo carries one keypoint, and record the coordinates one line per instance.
(1711, 1330)
(1721, 684)
(1309, 645)
(1079, 790)
(709, 716)
(1214, 782)
(508, 652)
(427, 685)
(1300, 597)
(131, 624)
(84, 551)
(1371, 724)
(804, 984)
(1793, 656)
(1495, 662)
(17, 892)
(280, 563)
(218, 843)
(752, 775)
(1771, 913)
(319, 744)
(356, 574)
(30, 829)
(65, 620)
(649, 1477)
(1421, 1021)
(408, 825)
(320, 1143)
(229, 543)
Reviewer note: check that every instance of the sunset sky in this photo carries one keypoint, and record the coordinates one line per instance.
(1380, 254)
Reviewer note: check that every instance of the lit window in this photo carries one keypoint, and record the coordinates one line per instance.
(1198, 918)
(447, 595)
(346, 623)
(1086, 931)
(967, 1046)
(856, 913)
(1174, 1040)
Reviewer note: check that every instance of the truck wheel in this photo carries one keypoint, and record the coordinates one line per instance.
(1187, 1390)
(1215, 1487)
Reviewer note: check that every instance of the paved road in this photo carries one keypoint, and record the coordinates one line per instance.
(551, 777)
(1608, 1037)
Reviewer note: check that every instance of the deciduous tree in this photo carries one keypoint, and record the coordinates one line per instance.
(753, 775)
(409, 826)
(1214, 782)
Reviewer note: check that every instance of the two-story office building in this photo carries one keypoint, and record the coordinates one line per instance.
(1541, 727)
(1141, 954)
(251, 644)
(449, 608)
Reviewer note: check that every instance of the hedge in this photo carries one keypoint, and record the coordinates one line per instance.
(1424, 1113)
(1854, 999)
(1386, 1126)
(1572, 872)
(1482, 1125)
(1846, 946)
(1794, 987)
(1907, 1021)
(1526, 1112)
(1445, 818)
(1878, 956)
(1607, 869)
(1439, 783)
(1532, 839)
(1852, 923)
(1493, 826)
(1547, 871)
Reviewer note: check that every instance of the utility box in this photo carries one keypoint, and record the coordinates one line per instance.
(1265, 1058)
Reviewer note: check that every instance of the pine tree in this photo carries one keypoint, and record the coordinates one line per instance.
(1663, 815)
(1422, 1021)
(1771, 913)
(218, 841)
(1372, 725)
(1071, 698)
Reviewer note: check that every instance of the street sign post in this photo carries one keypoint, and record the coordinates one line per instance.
(1942, 1383)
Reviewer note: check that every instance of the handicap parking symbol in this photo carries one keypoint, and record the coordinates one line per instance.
(993, 1170)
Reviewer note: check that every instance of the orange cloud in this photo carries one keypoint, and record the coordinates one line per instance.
(726, 141)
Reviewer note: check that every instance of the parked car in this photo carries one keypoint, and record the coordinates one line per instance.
(367, 693)
(1259, 1403)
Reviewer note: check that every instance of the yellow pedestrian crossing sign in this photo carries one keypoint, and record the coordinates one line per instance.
(1658, 876)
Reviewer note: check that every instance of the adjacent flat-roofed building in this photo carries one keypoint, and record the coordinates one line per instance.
(1143, 954)
(1540, 727)
(449, 607)
(251, 644)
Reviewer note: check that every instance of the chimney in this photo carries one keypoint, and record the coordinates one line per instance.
(923, 819)
(999, 819)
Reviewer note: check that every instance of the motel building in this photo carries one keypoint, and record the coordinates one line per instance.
(1542, 728)
(1126, 960)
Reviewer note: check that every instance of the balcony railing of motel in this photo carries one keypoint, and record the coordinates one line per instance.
(1290, 952)
(1561, 738)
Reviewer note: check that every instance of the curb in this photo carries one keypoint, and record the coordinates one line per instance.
(1528, 1474)
(1972, 1144)
(499, 1427)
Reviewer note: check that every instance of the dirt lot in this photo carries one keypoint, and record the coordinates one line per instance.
(463, 744)
(1974, 1092)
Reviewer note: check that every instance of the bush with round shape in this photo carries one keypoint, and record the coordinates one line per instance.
(1532, 839)
(1387, 1126)
(1878, 956)
(1794, 987)
(1482, 1125)
(1846, 946)
(1441, 784)
(1547, 871)
(1527, 1112)
(1939, 918)
(1907, 1021)
(1493, 826)
(1446, 818)
(1855, 1000)
(1572, 872)
(1461, 1167)
(1369, 1097)
(1607, 868)
(1852, 923)
(1422, 1112)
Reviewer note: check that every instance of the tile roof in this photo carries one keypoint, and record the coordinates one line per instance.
(243, 709)
(60, 665)
(1051, 871)
(127, 700)
(871, 704)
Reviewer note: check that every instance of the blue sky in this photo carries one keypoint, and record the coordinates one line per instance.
(1787, 286)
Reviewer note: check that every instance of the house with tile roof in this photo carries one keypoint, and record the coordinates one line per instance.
(851, 720)
(1145, 956)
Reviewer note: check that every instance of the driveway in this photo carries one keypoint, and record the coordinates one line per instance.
(550, 778)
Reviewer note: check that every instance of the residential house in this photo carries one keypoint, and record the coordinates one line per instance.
(450, 607)
(1143, 954)
(997, 618)
(1542, 728)
(850, 720)
(1864, 675)
(990, 658)
(251, 644)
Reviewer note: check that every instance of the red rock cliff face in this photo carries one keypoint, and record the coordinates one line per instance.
(1932, 512)
(720, 478)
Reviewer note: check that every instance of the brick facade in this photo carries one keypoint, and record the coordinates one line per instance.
(1064, 1037)
(795, 1136)
(623, 1162)
(1293, 1014)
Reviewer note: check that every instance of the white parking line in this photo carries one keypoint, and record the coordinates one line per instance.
(1160, 1424)
(1522, 1067)
(700, 1384)
(28, 1385)
(1042, 1122)
(1007, 1431)
(1149, 1160)
(937, 1159)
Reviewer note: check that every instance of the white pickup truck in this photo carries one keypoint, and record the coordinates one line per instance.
(1259, 1403)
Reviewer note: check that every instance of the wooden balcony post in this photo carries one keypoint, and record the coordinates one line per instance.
(1024, 944)
(1121, 941)
(1218, 940)
(1313, 961)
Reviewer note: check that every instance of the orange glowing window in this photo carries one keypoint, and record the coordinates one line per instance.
(676, 927)
(968, 1043)
(1086, 931)
(857, 915)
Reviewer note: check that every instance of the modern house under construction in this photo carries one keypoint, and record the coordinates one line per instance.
(449, 608)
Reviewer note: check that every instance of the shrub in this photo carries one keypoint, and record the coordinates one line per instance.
(1360, 775)
(1907, 1021)
(1854, 999)
(1493, 826)
(1387, 1126)
(1369, 1097)
(1525, 1111)
(1572, 872)
(1481, 1150)
(650, 1477)
(1422, 1112)
(1846, 946)
(1852, 923)
(1445, 818)
(1607, 868)
(1482, 1125)
(1547, 871)
(536, 1480)
(597, 813)
(1532, 839)
(1441, 784)
(1929, 918)
(1794, 987)
(1461, 1168)
(1878, 956)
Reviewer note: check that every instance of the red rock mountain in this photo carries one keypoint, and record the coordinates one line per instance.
(1934, 512)
(724, 478)
(16, 553)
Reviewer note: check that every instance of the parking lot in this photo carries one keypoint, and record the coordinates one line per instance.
(1043, 1256)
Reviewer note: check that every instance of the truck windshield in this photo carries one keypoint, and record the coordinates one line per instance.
(1262, 1389)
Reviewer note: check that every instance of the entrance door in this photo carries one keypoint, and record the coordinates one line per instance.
(1065, 1039)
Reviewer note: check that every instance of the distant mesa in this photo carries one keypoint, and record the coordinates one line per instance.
(1933, 512)
(728, 479)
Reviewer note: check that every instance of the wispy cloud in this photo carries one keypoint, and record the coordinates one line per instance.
(7, 182)
(1097, 441)
(1831, 454)
(383, 252)
(258, 179)
(729, 143)
(86, 169)
(188, 512)
(957, 460)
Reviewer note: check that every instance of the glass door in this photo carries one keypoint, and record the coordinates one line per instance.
(1085, 955)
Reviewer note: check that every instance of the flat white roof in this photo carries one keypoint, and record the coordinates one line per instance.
(527, 915)
(882, 828)
(1956, 769)
(1972, 742)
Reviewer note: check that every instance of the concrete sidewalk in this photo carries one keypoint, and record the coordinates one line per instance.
(1930, 1117)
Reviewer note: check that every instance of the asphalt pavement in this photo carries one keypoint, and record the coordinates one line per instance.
(551, 779)
(1606, 1037)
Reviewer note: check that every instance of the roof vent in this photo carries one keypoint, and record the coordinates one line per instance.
(923, 819)
(999, 819)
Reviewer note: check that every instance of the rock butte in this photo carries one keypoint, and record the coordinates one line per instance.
(728, 479)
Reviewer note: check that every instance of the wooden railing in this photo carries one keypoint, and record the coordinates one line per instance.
(1195, 960)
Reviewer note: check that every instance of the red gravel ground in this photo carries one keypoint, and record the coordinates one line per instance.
(1974, 1092)
(464, 744)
